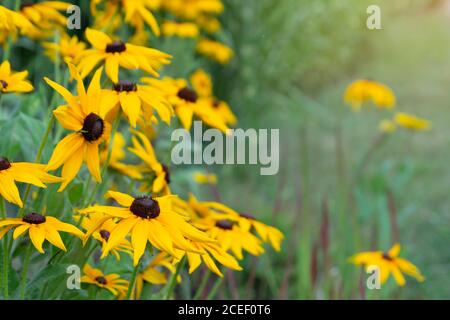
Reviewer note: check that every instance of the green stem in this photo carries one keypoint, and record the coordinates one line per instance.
(26, 264)
(5, 255)
(214, 289)
(132, 282)
(173, 279)
(202, 286)
(37, 159)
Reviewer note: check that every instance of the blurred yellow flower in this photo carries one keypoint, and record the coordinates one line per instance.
(110, 282)
(388, 263)
(202, 83)
(11, 23)
(13, 81)
(205, 178)
(215, 51)
(69, 48)
(362, 91)
(411, 122)
(190, 9)
(179, 29)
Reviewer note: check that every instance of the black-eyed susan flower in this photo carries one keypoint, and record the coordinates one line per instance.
(40, 228)
(143, 148)
(110, 282)
(187, 103)
(116, 157)
(208, 252)
(362, 91)
(31, 173)
(68, 48)
(388, 263)
(179, 29)
(208, 23)
(148, 219)
(13, 81)
(215, 51)
(230, 236)
(84, 115)
(202, 83)
(103, 226)
(117, 53)
(137, 101)
(411, 122)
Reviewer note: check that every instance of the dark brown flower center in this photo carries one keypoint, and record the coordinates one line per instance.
(247, 215)
(145, 207)
(93, 127)
(101, 280)
(105, 234)
(34, 218)
(188, 95)
(166, 170)
(386, 256)
(124, 85)
(4, 164)
(116, 46)
(216, 104)
(224, 224)
(4, 84)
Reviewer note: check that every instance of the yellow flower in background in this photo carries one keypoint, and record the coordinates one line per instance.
(12, 172)
(205, 178)
(13, 81)
(110, 282)
(179, 29)
(69, 48)
(117, 53)
(208, 23)
(411, 122)
(103, 226)
(208, 251)
(202, 83)
(40, 228)
(148, 219)
(11, 23)
(387, 126)
(84, 115)
(215, 51)
(143, 148)
(388, 263)
(117, 155)
(191, 9)
(139, 11)
(45, 16)
(230, 236)
(136, 101)
(362, 91)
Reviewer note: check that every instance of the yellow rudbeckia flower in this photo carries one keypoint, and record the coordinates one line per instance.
(69, 48)
(388, 263)
(84, 115)
(110, 282)
(190, 9)
(13, 81)
(411, 122)
(362, 91)
(205, 178)
(137, 101)
(11, 23)
(40, 228)
(146, 153)
(148, 219)
(215, 51)
(117, 53)
(12, 172)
